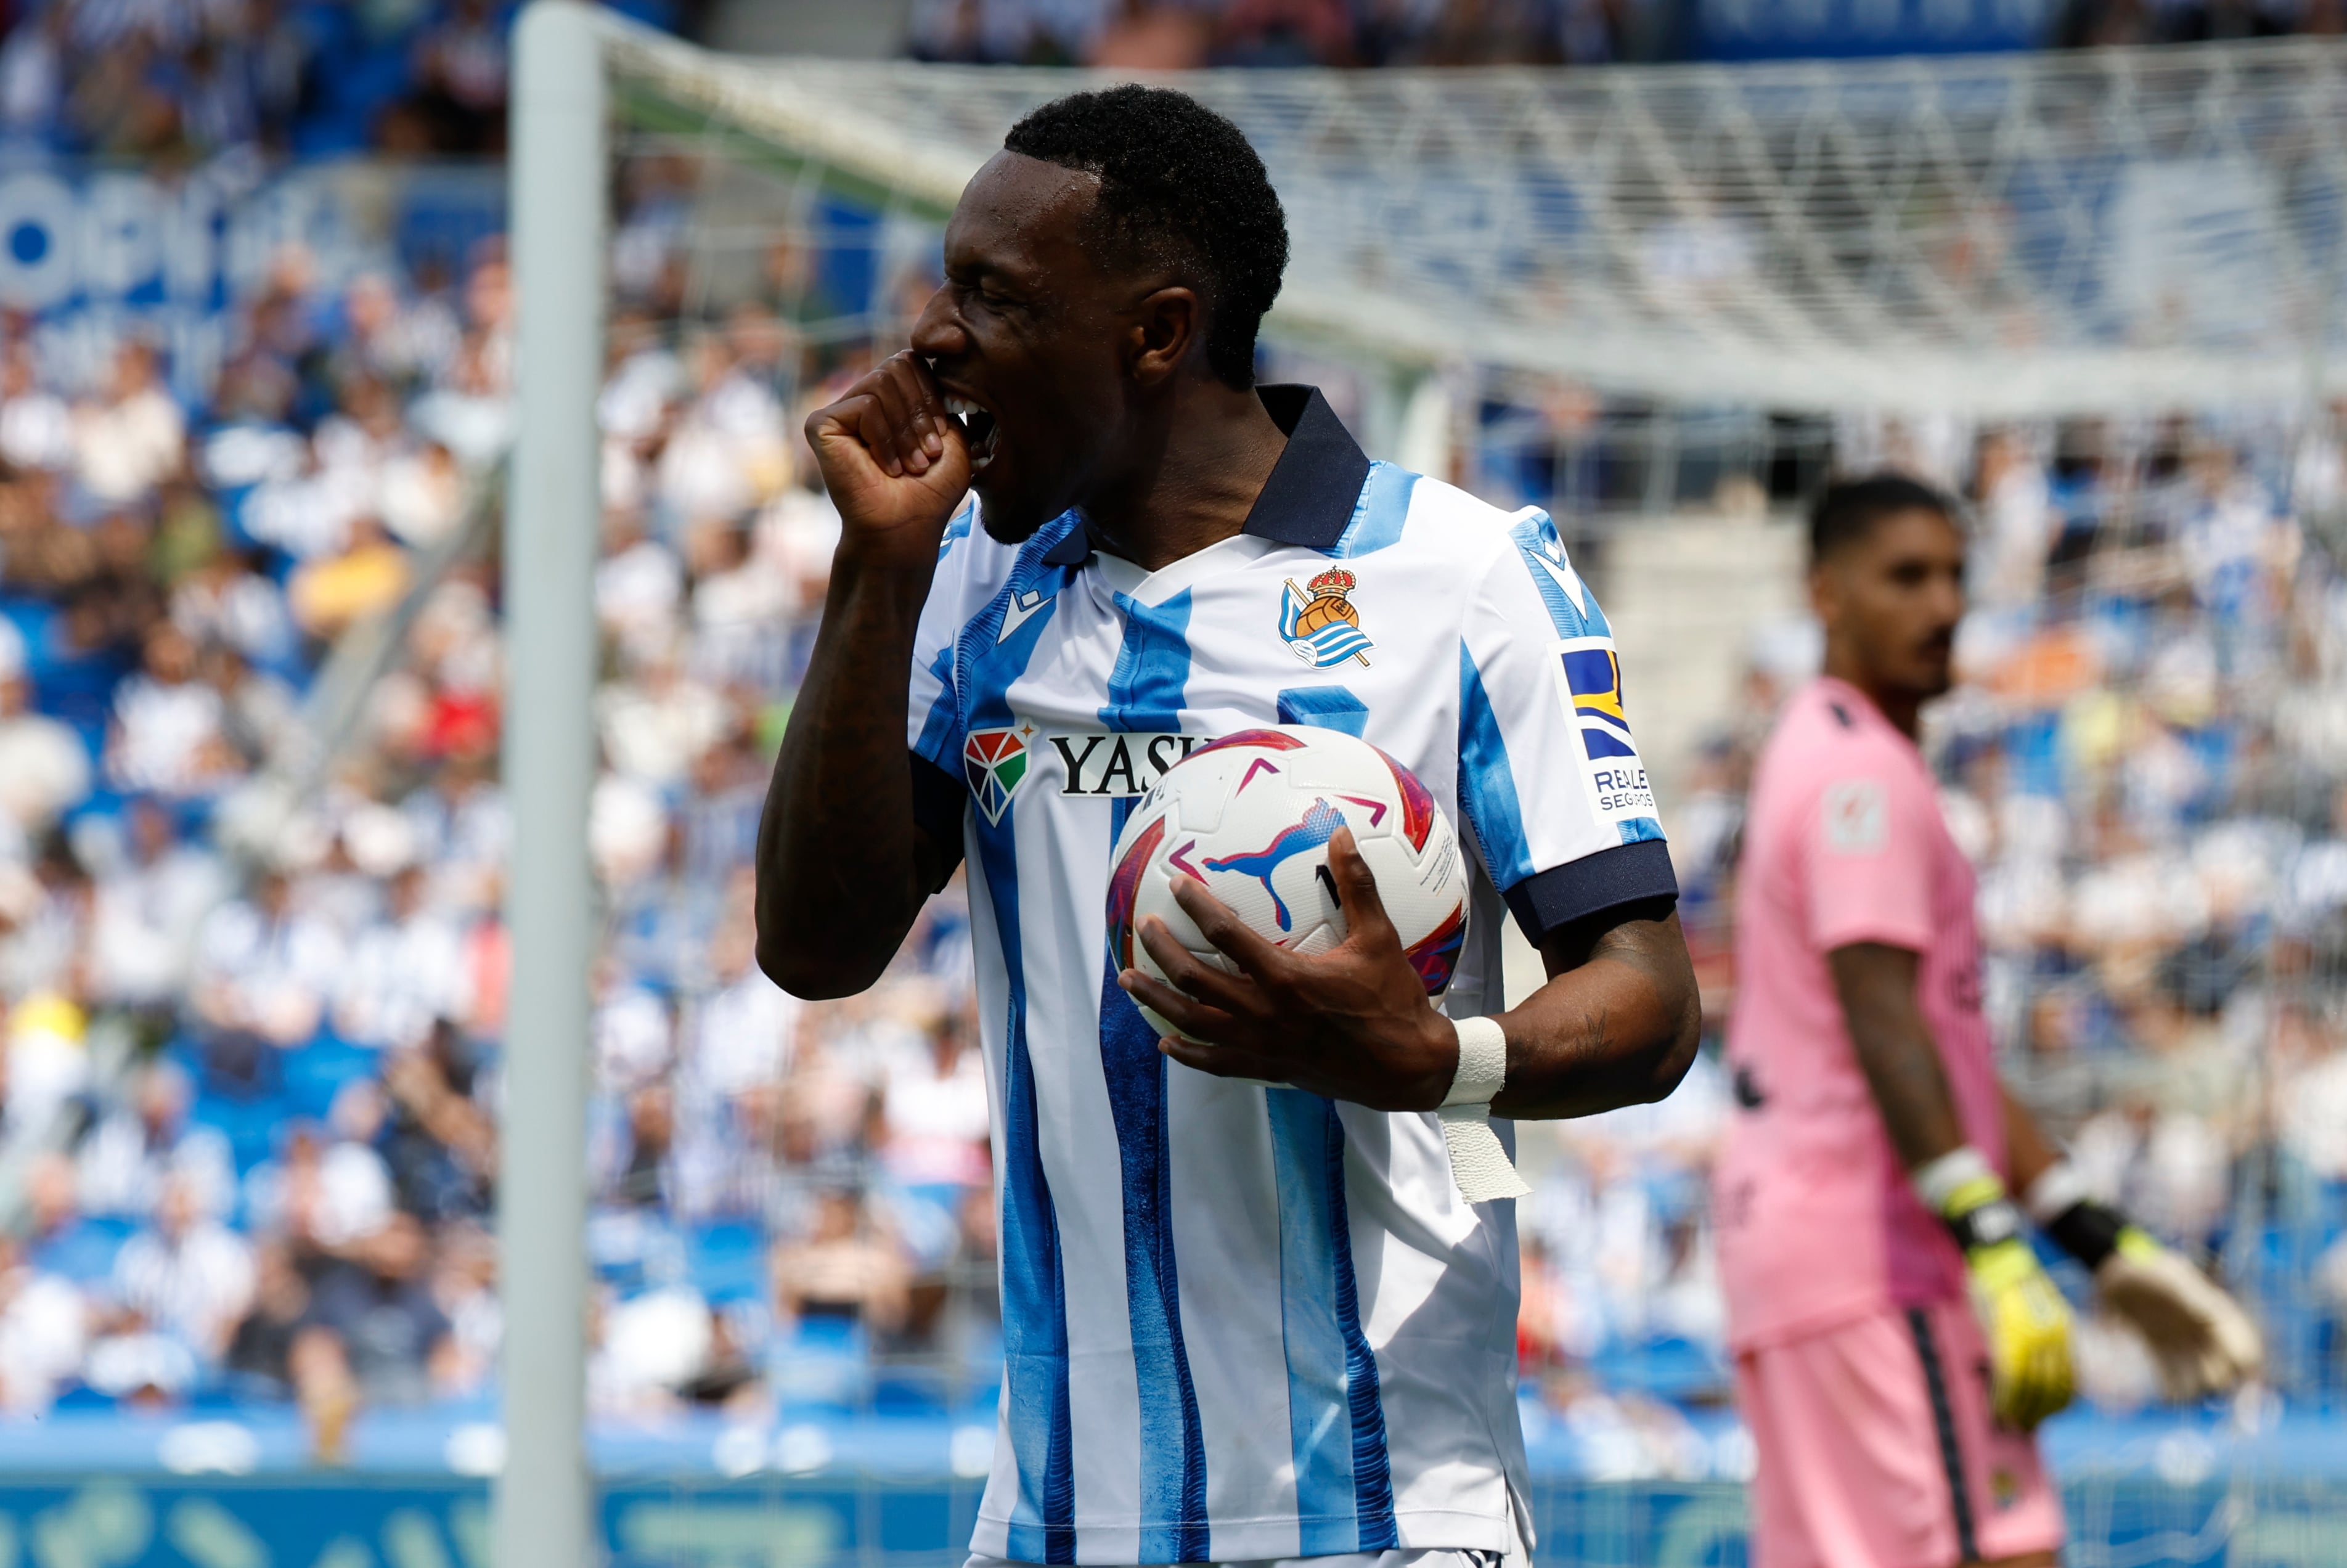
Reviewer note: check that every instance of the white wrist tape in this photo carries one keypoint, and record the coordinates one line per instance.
(2057, 1189)
(1934, 1182)
(1478, 1162)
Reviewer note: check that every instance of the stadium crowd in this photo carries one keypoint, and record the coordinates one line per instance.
(251, 1028)
(251, 964)
(172, 83)
(1179, 35)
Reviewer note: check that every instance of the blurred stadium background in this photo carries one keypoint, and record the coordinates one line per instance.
(255, 397)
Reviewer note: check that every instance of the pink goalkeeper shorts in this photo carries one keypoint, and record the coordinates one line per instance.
(1877, 1449)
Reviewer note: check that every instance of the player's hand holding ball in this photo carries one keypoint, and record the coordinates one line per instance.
(896, 461)
(1284, 906)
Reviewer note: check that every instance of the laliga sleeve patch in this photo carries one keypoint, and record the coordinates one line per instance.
(1857, 817)
(1588, 683)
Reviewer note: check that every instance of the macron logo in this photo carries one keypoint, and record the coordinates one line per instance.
(1567, 580)
(1022, 608)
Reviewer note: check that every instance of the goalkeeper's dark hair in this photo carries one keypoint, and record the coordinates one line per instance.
(1183, 189)
(1847, 512)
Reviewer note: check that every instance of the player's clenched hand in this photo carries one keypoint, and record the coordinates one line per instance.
(2024, 1317)
(894, 460)
(2027, 1323)
(1352, 1023)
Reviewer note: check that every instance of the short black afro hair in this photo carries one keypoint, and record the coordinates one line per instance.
(1180, 184)
(1848, 511)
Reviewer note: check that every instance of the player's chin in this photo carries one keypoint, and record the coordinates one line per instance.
(1009, 512)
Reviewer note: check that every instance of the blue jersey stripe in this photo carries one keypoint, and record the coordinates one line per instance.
(1145, 694)
(1034, 1286)
(1379, 512)
(981, 635)
(1152, 666)
(940, 739)
(1329, 707)
(1344, 1490)
(1487, 785)
(1172, 1443)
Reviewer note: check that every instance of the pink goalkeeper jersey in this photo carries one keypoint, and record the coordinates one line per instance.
(1844, 844)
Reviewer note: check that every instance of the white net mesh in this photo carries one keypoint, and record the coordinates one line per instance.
(1991, 236)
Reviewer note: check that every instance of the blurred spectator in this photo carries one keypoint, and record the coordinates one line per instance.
(169, 733)
(261, 1352)
(187, 1275)
(44, 766)
(44, 1333)
(440, 1143)
(366, 577)
(327, 1191)
(147, 910)
(406, 971)
(36, 426)
(847, 1267)
(264, 968)
(746, 1034)
(376, 1298)
(130, 440)
(144, 1149)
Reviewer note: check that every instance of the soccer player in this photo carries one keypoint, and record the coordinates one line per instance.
(1239, 1324)
(1863, 1192)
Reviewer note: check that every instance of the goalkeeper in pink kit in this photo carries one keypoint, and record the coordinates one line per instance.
(1896, 1341)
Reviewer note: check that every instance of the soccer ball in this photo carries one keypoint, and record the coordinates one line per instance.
(1251, 814)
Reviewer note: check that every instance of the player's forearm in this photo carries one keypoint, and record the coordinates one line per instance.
(2029, 1154)
(839, 873)
(1618, 1029)
(1876, 984)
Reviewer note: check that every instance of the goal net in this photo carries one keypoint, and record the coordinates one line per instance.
(1601, 292)
(2131, 229)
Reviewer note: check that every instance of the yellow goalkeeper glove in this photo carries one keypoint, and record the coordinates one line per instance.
(2200, 1340)
(2023, 1314)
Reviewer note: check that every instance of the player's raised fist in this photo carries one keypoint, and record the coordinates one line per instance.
(894, 459)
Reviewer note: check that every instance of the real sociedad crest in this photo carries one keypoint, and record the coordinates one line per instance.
(1319, 622)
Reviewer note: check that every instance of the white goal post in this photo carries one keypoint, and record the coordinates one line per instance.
(2113, 232)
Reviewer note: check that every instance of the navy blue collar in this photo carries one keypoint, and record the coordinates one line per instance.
(1313, 488)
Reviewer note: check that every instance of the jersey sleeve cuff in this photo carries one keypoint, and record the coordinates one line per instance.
(940, 801)
(1881, 932)
(1634, 879)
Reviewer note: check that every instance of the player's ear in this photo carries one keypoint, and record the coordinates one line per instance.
(1166, 324)
(1825, 598)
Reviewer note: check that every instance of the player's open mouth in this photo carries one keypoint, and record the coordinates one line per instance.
(978, 428)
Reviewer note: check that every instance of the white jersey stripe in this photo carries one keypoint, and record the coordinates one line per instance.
(1227, 1230)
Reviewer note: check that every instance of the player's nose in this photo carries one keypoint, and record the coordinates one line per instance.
(939, 333)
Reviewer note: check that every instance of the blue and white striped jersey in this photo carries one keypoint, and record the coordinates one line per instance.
(1246, 1323)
